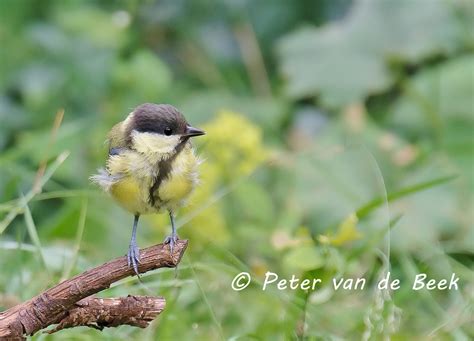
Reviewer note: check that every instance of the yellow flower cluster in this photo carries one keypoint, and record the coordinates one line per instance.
(346, 233)
(234, 144)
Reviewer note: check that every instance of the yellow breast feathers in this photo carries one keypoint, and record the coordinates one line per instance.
(152, 177)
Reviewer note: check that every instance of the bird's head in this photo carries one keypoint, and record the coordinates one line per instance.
(157, 128)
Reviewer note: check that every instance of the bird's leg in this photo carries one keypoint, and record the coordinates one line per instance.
(133, 255)
(171, 239)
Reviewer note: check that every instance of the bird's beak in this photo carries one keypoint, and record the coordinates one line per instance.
(191, 131)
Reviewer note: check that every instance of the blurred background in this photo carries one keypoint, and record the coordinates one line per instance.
(339, 144)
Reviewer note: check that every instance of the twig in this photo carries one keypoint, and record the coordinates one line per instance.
(98, 313)
(57, 303)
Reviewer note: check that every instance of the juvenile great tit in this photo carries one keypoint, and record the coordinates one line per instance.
(151, 166)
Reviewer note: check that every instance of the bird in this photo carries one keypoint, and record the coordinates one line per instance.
(152, 167)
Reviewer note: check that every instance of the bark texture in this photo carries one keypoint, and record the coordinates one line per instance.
(98, 313)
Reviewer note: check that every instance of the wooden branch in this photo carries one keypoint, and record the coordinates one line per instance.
(56, 303)
(137, 311)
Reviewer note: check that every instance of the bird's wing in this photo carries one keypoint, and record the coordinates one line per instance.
(106, 177)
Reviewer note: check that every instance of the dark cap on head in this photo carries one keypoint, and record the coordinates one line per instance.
(158, 118)
(161, 119)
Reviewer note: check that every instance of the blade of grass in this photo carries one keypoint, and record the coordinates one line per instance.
(33, 233)
(33, 192)
(372, 205)
(52, 138)
(60, 194)
(77, 245)
(252, 58)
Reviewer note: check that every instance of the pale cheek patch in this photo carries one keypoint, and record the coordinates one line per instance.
(151, 143)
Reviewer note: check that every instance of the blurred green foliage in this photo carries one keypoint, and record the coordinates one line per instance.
(340, 140)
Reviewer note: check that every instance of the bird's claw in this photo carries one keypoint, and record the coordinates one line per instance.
(171, 239)
(133, 257)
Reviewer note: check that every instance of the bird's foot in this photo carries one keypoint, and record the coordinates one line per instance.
(171, 239)
(133, 257)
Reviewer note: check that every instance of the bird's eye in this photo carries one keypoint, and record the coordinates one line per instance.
(168, 131)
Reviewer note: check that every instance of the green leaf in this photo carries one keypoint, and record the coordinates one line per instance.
(439, 102)
(345, 61)
(444, 91)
